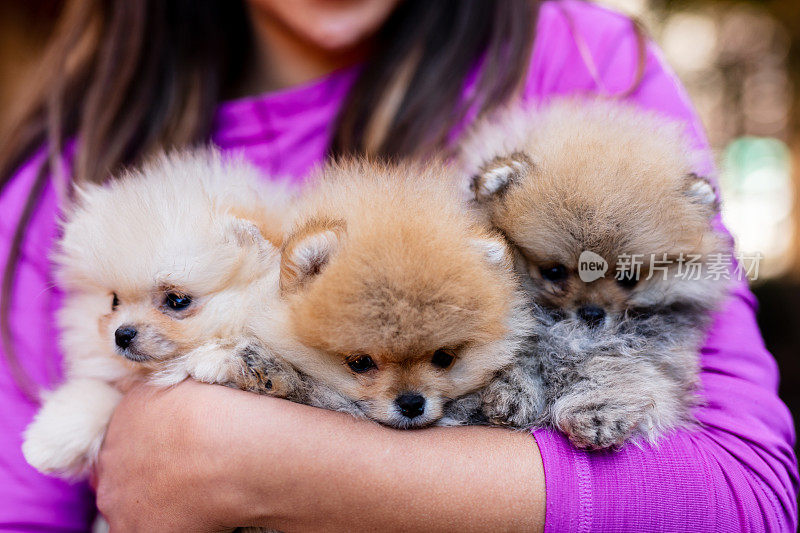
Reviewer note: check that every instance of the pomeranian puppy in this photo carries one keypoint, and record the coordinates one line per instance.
(162, 270)
(395, 295)
(614, 235)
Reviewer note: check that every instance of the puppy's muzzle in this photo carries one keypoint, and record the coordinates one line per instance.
(592, 315)
(124, 336)
(411, 405)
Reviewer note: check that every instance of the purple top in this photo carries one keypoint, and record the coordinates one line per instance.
(738, 472)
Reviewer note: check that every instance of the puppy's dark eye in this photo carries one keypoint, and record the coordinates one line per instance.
(443, 358)
(361, 364)
(177, 301)
(114, 301)
(627, 280)
(554, 273)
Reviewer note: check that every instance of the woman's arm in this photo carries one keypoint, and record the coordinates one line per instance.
(205, 458)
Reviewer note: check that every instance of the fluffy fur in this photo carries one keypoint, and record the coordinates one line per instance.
(385, 278)
(617, 357)
(186, 228)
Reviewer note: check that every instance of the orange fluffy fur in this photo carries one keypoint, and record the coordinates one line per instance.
(385, 261)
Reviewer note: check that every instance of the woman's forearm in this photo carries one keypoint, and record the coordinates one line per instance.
(340, 474)
(202, 457)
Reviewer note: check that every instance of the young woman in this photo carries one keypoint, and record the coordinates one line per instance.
(288, 83)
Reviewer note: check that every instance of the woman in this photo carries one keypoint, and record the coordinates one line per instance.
(376, 76)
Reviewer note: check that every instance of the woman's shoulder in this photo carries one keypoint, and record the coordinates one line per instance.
(584, 14)
(33, 297)
(581, 46)
(23, 188)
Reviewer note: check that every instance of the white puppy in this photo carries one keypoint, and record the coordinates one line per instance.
(162, 271)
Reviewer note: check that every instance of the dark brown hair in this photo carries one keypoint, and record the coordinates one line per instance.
(129, 77)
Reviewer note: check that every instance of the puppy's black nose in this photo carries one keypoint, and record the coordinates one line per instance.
(592, 315)
(411, 405)
(124, 336)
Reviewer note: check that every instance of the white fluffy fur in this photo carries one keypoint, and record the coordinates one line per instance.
(184, 222)
(68, 430)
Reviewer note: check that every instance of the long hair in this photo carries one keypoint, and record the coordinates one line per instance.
(127, 78)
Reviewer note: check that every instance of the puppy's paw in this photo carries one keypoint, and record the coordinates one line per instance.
(264, 373)
(510, 410)
(65, 436)
(212, 363)
(208, 363)
(597, 426)
(50, 451)
(513, 399)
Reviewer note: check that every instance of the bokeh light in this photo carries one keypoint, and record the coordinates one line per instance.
(732, 57)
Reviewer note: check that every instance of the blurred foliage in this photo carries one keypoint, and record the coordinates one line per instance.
(787, 12)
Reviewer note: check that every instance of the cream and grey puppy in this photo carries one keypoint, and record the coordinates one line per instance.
(162, 271)
(614, 234)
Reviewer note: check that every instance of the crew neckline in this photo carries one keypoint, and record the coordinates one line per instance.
(296, 96)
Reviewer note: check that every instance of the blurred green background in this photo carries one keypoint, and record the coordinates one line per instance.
(740, 61)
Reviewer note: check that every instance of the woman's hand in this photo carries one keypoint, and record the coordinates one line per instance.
(207, 458)
(161, 467)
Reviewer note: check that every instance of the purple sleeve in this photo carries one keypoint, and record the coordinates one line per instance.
(30, 501)
(738, 472)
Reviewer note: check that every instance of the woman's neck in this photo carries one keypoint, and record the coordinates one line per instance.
(282, 58)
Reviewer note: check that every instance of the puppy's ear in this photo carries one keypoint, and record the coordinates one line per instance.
(494, 250)
(306, 253)
(700, 191)
(242, 232)
(495, 176)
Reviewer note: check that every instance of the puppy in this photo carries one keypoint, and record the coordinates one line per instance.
(395, 296)
(613, 234)
(162, 270)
